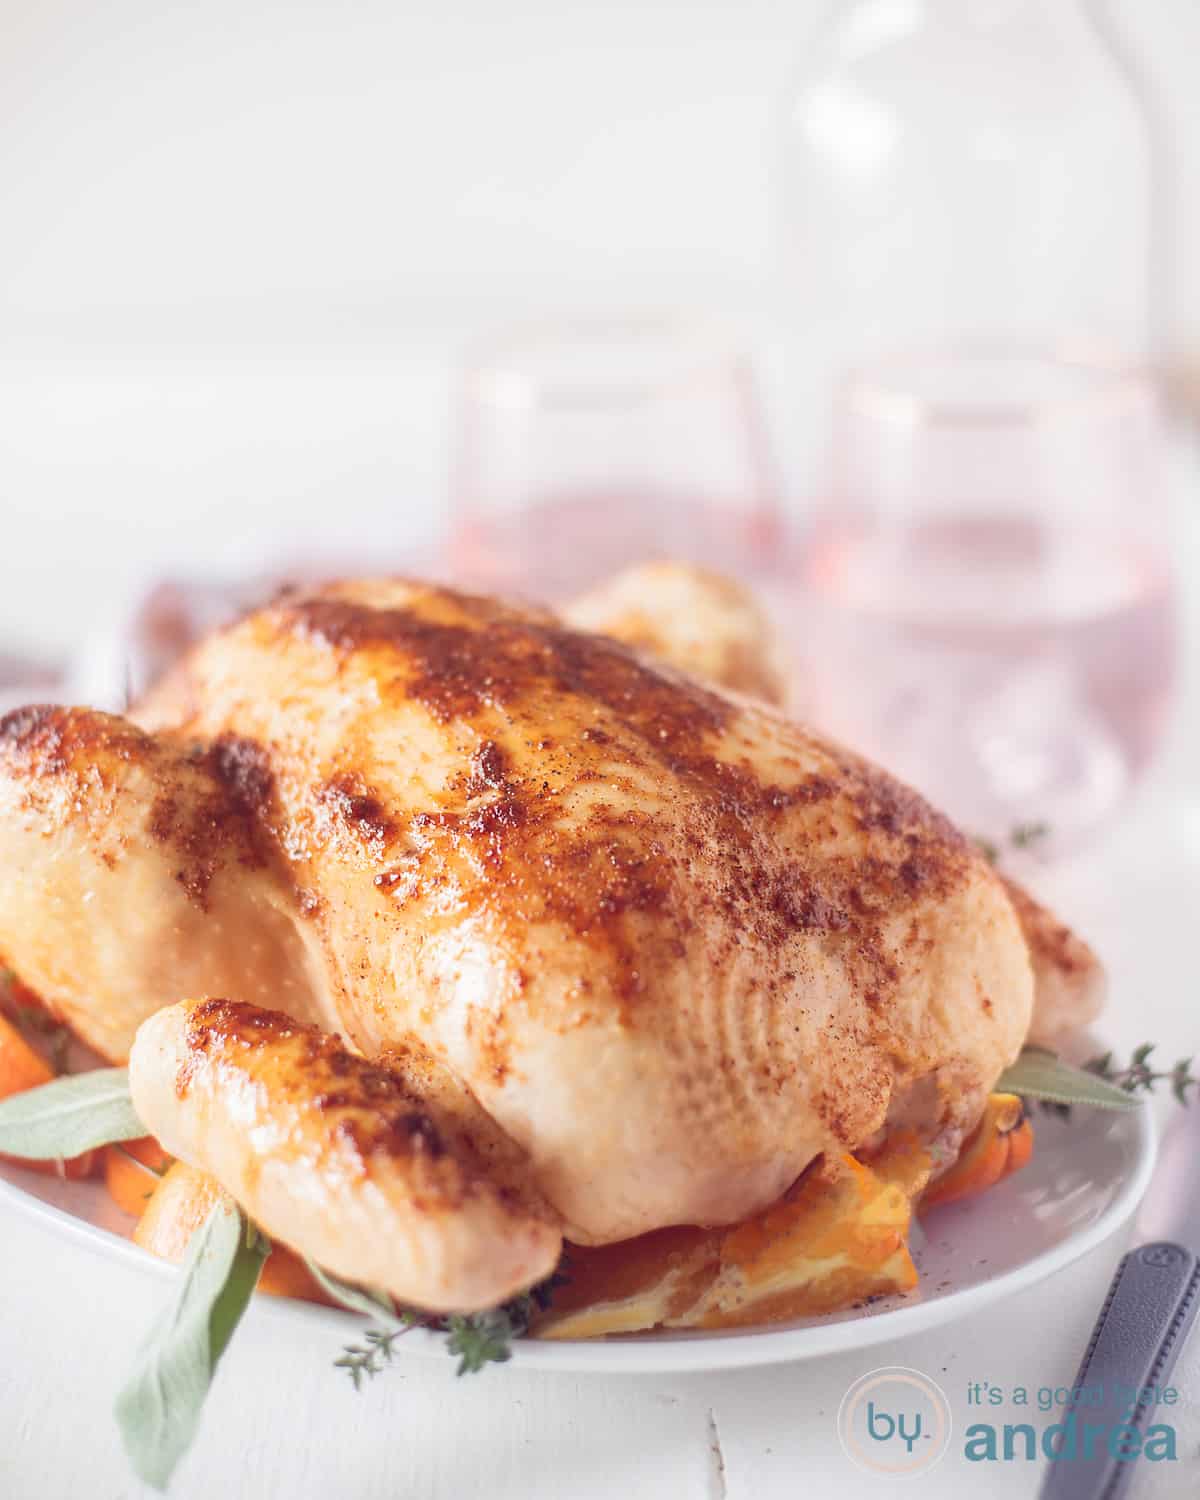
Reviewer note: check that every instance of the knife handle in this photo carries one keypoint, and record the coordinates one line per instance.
(1145, 1318)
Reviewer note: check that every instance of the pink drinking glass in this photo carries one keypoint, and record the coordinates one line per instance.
(990, 579)
(582, 446)
(991, 574)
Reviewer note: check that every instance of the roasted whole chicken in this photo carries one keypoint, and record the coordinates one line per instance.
(611, 947)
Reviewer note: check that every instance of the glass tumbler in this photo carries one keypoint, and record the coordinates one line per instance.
(989, 573)
(583, 446)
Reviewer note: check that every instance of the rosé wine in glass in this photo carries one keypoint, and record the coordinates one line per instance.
(988, 591)
(585, 446)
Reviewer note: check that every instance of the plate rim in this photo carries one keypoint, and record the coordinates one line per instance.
(684, 1351)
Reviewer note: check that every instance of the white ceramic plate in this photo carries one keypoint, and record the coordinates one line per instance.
(1086, 1178)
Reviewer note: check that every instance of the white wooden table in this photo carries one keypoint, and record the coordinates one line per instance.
(281, 1422)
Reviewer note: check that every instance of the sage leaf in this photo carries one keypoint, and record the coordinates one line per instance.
(69, 1116)
(1040, 1074)
(158, 1410)
(354, 1298)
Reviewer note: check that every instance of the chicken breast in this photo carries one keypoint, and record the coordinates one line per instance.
(712, 627)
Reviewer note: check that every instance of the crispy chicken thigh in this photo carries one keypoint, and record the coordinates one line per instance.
(655, 947)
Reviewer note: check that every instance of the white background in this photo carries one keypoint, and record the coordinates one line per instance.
(240, 245)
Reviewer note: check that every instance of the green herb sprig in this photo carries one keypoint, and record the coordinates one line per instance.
(34, 1023)
(1140, 1076)
(1100, 1083)
(1041, 1074)
(369, 1358)
(158, 1410)
(69, 1116)
(475, 1339)
(485, 1338)
(1020, 836)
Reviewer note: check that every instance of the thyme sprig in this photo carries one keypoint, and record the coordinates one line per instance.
(481, 1339)
(1020, 836)
(475, 1339)
(1140, 1075)
(371, 1356)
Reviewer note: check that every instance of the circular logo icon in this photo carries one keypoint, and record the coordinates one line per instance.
(895, 1421)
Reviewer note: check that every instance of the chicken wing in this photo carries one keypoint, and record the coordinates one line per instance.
(696, 620)
(1069, 982)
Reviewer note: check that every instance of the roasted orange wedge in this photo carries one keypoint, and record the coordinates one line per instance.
(131, 1171)
(999, 1145)
(838, 1237)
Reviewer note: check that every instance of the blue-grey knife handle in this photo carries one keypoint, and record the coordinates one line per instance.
(1143, 1324)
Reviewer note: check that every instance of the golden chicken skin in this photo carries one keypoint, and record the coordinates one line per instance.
(624, 950)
